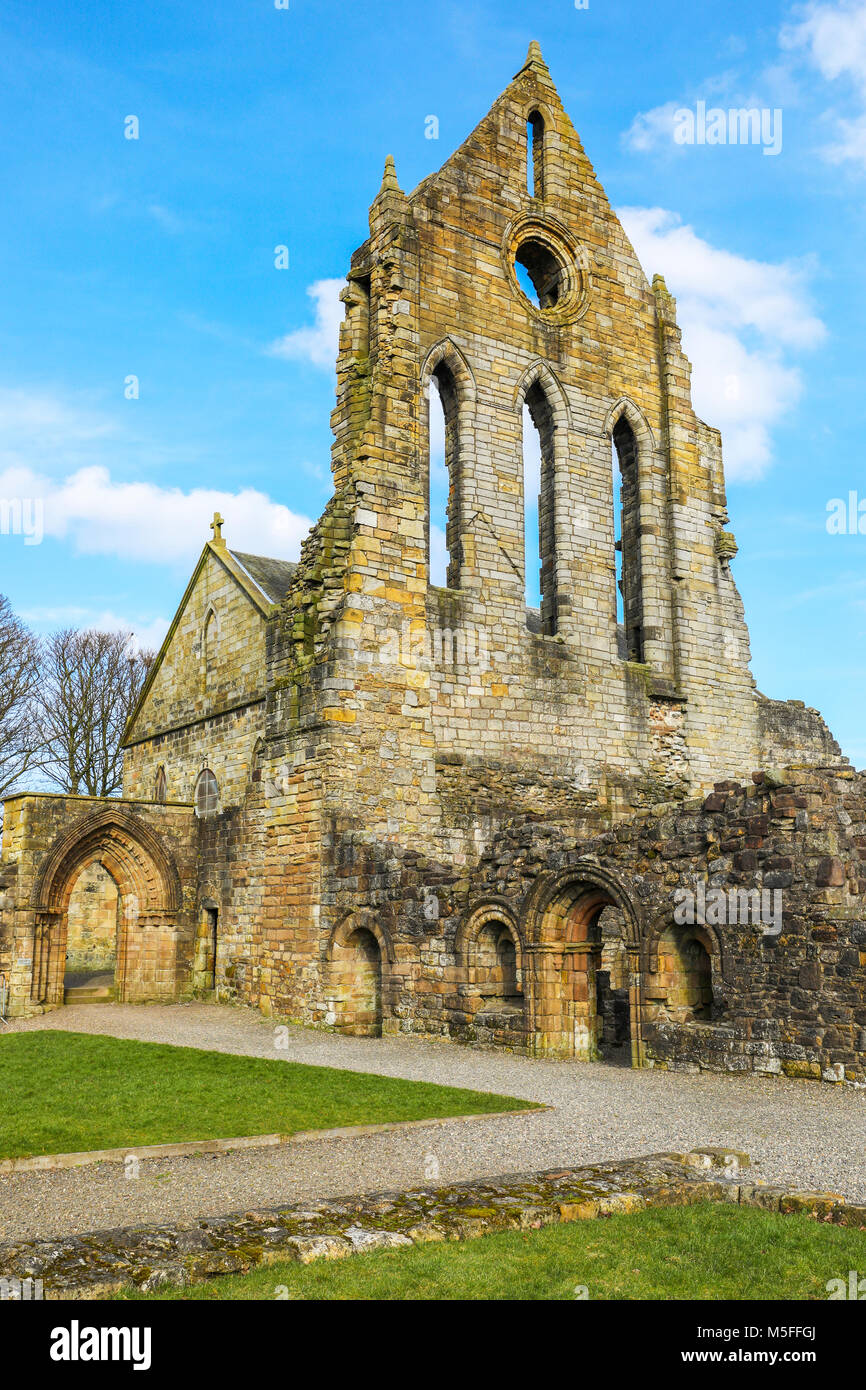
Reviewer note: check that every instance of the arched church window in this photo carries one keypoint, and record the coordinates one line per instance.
(629, 592)
(444, 480)
(535, 155)
(211, 634)
(206, 794)
(160, 789)
(538, 507)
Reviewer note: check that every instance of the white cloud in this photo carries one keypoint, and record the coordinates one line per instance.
(849, 144)
(319, 343)
(739, 318)
(653, 128)
(833, 40)
(746, 293)
(141, 521)
(147, 634)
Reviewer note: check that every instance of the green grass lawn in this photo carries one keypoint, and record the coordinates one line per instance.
(706, 1252)
(63, 1092)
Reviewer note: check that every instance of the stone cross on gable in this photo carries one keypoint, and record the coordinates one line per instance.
(217, 525)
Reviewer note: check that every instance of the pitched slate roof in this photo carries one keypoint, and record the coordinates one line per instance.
(263, 580)
(272, 576)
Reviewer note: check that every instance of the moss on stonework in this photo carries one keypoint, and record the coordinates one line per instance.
(317, 586)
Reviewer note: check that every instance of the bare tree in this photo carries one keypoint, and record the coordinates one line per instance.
(20, 750)
(90, 684)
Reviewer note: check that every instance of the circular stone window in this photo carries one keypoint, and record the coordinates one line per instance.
(547, 268)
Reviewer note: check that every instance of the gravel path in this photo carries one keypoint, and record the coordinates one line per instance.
(811, 1134)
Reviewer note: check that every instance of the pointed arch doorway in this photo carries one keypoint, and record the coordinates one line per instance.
(583, 941)
(129, 867)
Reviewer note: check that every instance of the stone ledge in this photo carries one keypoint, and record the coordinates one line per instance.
(49, 1163)
(100, 1263)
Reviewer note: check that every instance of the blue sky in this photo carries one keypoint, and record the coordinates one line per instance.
(261, 127)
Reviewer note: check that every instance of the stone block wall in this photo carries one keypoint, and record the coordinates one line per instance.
(91, 944)
(437, 707)
(205, 705)
(729, 995)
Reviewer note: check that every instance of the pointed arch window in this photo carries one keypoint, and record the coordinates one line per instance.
(535, 155)
(160, 786)
(209, 648)
(539, 508)
(627, 543)
(207, 796)
(443, 538)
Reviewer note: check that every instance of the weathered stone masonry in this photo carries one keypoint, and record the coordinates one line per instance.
(433, 809)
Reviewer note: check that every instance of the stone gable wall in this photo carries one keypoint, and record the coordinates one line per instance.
(412, 677)
(204, 709)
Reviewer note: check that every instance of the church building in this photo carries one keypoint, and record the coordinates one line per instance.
(360, 800)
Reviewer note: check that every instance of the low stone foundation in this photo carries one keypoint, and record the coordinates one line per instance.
(146, 1257)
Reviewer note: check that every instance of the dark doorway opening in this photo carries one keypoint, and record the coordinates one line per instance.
(204, 974)
(612, 1001)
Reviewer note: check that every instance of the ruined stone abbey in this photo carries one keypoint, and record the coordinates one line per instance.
(358, 800)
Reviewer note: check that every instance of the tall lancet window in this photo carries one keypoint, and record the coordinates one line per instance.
(628, 557)
(444, 480)
(535, 156)
(209, 645)
(538, 509)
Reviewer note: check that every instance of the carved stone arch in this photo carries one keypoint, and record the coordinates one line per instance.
(540, 391)
(636, 503)
(491, 960)
(662, 923)
(536, 104)
(684, 987)
(131, 852)
(447, 351)
(561, 919)
(584, 886)
(351, 922)
(210, 624)
(206, 792)
(208, 643)
(489, 910)
(643, 433)
(150, 898)
(455, 383)
(537, 118)
(541, 373)
(481, 912)
(359, 955)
